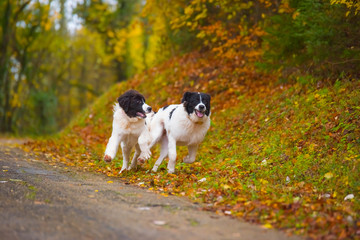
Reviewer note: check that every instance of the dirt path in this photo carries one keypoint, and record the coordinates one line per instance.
(40, 201)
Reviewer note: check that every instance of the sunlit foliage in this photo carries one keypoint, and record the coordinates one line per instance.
(284, 155)
(283, 148)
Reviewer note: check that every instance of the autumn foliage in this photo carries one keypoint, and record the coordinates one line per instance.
(283, 155)
(283, 149)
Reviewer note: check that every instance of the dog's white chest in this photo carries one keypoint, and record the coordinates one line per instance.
(187, 132)
(127, 126)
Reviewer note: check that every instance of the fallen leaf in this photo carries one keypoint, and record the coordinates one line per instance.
(159, 222)
(349, 196)
(144, 208)
(202, 180)
(227, 212)
(287, 180)
(267, 226)
(328, 175)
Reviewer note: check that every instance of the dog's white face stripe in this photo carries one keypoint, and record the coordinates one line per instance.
(197, 107)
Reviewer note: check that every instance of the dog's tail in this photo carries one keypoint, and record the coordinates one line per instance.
(116, 107)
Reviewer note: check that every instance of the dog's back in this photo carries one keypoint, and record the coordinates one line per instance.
(180, 124)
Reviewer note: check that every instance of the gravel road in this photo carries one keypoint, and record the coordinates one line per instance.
(43, 201)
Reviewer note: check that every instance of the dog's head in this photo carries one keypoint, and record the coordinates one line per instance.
(133, 104)
(197, 103)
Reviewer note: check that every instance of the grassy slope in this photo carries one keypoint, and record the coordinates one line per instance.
(284, 155)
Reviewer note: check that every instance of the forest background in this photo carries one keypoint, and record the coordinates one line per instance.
(283, 149)
(49, 72)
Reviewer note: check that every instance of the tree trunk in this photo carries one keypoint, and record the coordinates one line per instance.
(4, 68)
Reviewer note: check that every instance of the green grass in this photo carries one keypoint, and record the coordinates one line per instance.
(283, 155)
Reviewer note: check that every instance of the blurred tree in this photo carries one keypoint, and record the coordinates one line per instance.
(313, 37)
(111, 22)
(21, 24)
(352, 5)
(47, 74)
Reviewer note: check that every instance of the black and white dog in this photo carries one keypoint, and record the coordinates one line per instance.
(128, 124)
(179, 124)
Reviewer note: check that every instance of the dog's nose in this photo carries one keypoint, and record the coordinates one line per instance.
(201, 107)
(149, 109)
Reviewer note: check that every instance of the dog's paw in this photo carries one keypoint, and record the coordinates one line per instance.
(141, 160)
(145, 155)
(187, 159)
(123, 170)
(171, 171)
(155, 168)
(107, 158)
(131, 167)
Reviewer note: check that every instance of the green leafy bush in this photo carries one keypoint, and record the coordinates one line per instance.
(315, 37)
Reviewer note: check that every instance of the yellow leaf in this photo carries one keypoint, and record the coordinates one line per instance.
(188, 10)
(328, 175)
(109, 181)
(267, 226)
(110, 34)
(295, 14)
(226, 187)
(263, 181)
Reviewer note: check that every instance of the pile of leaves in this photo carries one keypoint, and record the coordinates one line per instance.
(285, 155)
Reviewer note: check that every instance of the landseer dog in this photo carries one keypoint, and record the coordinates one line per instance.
(178, 124)
(128, 124)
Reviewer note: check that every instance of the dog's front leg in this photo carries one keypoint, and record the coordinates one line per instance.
(126, 154)
(172, 154)
(190, 158)
(112, 147)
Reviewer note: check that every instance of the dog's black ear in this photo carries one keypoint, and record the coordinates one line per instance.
(124, 102)
(186, 97)
(206, 100)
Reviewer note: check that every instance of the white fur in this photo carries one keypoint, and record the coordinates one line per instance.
(126, 131)
(181, 129)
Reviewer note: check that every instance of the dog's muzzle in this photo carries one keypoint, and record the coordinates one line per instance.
(200, 110)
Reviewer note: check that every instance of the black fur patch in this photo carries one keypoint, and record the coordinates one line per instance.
(171, 113)
(165, 107)
(131, 102)
(191, 99)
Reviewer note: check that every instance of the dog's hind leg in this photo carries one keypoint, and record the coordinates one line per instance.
(126, 154)
(144, 143)
(134, 160)
(163, 153)
(172, 154)
(190, 158)
(156, 132)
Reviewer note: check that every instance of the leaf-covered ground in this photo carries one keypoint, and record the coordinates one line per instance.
(285, 155)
